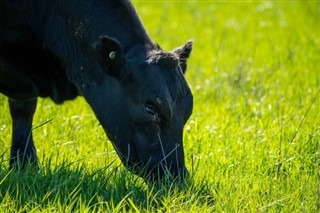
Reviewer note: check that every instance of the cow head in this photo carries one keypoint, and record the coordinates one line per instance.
(142, 100)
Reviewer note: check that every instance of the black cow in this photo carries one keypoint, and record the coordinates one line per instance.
(100, 50)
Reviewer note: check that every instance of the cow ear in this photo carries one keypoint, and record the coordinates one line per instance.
(184, 52)
(109, 55)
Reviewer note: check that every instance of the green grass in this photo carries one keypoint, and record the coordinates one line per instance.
(252, 143)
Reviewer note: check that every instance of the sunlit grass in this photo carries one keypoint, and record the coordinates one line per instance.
(252, 143)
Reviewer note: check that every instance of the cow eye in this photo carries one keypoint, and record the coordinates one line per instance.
(150, 109)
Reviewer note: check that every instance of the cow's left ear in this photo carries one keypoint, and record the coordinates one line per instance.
(184, 52)
(109, 55)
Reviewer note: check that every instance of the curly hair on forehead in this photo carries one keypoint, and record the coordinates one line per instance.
(167, 60)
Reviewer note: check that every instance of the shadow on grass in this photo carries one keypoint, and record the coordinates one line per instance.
(73, 187)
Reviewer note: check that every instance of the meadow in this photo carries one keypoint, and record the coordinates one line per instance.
(252, 143)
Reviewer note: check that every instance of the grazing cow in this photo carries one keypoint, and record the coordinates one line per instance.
(100, 50)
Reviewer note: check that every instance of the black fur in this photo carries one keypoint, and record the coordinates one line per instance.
(100, 50)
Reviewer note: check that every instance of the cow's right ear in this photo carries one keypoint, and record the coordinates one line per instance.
(109, 55)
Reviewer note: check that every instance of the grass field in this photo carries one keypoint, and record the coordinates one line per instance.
(252, 143)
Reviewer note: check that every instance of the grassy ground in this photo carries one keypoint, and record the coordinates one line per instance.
(252, 143)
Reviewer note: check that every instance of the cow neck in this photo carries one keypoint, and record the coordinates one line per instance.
(118, 19)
